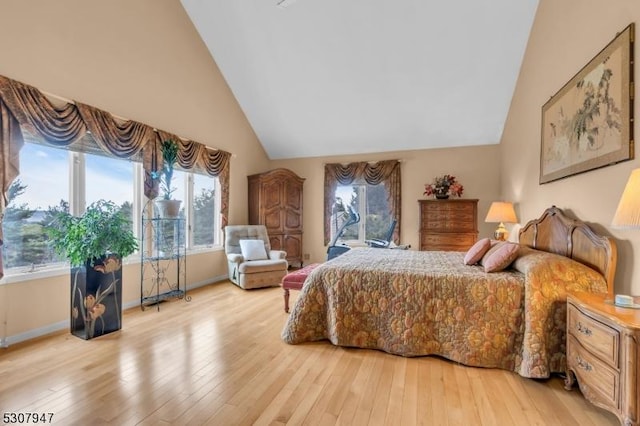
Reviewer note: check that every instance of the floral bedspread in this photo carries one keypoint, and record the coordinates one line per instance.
(415, 303)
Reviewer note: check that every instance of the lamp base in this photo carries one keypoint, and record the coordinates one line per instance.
(501, 233)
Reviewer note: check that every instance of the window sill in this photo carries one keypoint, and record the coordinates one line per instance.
(63, 269)
(355, 243)
(44, 272)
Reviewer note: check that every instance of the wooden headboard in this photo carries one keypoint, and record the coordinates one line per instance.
(556, 233)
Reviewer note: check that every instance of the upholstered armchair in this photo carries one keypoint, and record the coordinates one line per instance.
(252, 263)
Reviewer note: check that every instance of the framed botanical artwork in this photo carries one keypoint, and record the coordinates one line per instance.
(589, 123)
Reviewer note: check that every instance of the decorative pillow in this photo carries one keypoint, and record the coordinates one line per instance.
(492, 248)
(495, 245)
(500, 256)
(476, 251)
(253, 250)
(557, 271)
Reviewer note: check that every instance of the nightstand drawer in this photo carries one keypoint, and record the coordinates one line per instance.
(596, 337)
(600, 381)
(603, 353)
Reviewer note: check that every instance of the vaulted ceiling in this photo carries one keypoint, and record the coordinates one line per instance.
(332, 77)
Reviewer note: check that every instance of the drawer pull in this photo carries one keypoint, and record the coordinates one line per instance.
(583, 364)
(584, 330)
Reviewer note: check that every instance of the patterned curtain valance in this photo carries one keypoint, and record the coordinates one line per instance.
(85, 128)
(383, 172)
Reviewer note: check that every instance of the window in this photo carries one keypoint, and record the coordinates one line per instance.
(52, 179)
(382, 176)
(36, 192)
(112, 179)
(370, 201)
(200, 195)
(206, 198)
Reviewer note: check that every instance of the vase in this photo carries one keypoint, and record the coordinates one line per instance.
(441, 192)
(168, 209)
(96, 297)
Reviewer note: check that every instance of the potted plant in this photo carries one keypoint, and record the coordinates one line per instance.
(95, 244)
(167, 206)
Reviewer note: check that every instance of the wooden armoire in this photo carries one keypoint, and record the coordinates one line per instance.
(275, 200)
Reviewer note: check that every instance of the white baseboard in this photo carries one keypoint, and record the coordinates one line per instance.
(36, 332)
(52, 328)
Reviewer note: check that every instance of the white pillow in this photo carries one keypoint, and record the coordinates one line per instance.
(253, 250)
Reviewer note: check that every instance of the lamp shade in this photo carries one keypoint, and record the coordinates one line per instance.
(628, 212)
(501, 211)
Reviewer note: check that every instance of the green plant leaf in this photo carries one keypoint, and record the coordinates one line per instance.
(169, 157)
(101, 230)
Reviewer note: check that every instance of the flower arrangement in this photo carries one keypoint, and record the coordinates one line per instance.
(443, 186)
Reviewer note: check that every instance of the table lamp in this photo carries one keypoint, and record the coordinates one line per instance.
(628, 216)
(628, 211)
(500, 212)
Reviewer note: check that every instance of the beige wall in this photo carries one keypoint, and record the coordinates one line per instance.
(142, 60)
(565, 36)
(475, 167)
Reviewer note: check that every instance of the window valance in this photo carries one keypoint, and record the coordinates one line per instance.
(81, 127)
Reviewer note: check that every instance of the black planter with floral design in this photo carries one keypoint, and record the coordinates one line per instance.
(96, 297)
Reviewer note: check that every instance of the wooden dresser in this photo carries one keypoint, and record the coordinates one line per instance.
(450, 224)
(275, 200)
(602, 353)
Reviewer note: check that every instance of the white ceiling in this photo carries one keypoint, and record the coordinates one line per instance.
(331, 77)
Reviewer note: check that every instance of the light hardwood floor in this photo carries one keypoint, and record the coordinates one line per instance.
(219, 360)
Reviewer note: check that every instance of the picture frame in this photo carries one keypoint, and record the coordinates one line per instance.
(588, 123)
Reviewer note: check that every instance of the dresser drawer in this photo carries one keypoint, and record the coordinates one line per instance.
(449, 222)
(449, 216)
(598, 381)
(447, 242)
(446, 206)
(596, 337)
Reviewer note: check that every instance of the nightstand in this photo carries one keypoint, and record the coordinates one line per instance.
(602, 353)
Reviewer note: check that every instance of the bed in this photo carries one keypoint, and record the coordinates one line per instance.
(413, 303)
